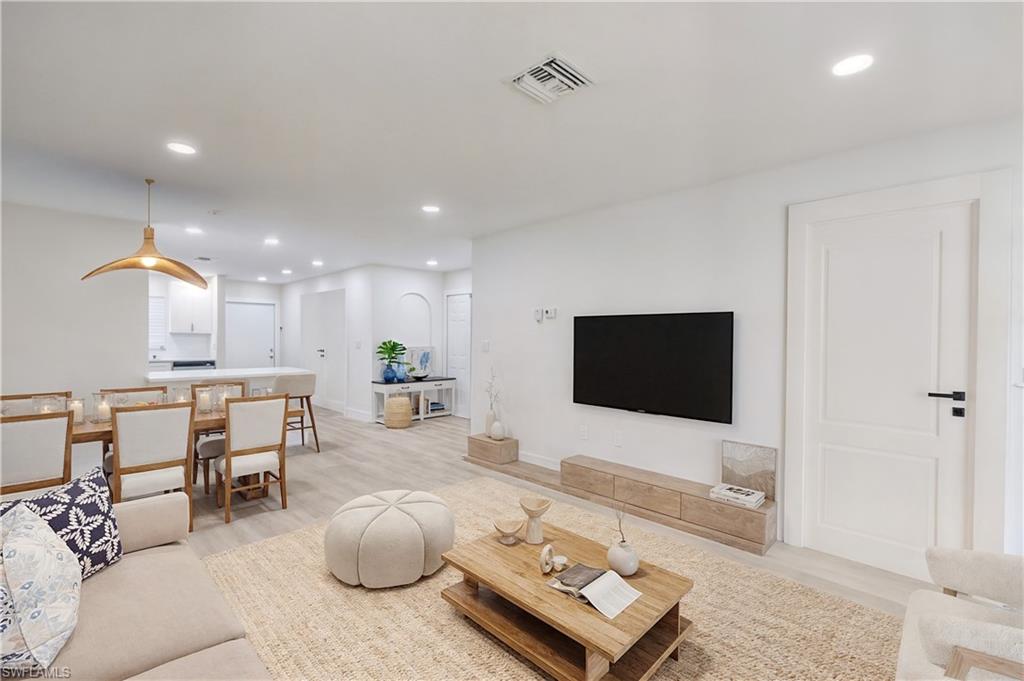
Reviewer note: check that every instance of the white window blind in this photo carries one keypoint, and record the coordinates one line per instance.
(157, 322)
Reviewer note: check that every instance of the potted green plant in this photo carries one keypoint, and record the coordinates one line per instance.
(391, 352)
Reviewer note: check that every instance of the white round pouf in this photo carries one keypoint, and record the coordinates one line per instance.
(388, 538)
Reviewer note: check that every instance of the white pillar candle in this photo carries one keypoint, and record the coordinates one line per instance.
(78, 411)
(103, 411)
(203, 401)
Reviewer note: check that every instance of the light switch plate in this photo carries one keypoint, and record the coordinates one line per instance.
(584, 432)
(550, 312)
(538, 315)
(485, 346)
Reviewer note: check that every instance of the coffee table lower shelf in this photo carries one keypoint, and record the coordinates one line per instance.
(552, 650)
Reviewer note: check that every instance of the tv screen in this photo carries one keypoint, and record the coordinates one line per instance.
(670, 364)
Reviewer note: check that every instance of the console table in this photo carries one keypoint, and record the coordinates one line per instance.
(441, 387)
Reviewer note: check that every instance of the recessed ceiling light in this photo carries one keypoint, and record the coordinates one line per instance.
(852, 65)
(261, 278)
(286, 271)
(431, 263)
(271, 241)
(181, 148)
(431, 209)
(318, 263)
(194, 230)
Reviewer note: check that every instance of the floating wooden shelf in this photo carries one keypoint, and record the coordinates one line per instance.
(675, 502)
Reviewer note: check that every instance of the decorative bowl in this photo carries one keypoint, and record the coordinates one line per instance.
(508, 529)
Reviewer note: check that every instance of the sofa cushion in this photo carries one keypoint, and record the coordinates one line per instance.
(913, 661)
(40, 584)
(155, 606)
(232, 661)
(82, 514)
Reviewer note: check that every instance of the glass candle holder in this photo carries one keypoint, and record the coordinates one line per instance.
(204, 400)
(77, 408)
(179, 394)
(101, 404)
(259, 392)
(47, 404)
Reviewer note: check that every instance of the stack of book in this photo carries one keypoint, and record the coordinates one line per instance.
(748, 498)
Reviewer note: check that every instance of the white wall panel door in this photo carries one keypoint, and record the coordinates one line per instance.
(249, 335)
(324, 348)
(888, 320)
(458, 348)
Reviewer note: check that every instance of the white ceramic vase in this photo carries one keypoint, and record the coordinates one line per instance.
(623, 559)
(497, 431)
(489, 419)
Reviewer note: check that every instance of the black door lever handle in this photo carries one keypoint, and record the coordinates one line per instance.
(956, 395)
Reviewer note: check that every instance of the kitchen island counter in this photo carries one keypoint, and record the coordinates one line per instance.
(261, 375)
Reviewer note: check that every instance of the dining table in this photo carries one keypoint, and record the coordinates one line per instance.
(103, 431)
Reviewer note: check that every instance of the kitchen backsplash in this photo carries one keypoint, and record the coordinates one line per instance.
(185, 346)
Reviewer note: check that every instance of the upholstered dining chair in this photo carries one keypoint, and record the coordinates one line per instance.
(253, 444)
(37, 452)
(203, 456)
(128, 397)
(152, 450)
(15, 405)
(300, 387)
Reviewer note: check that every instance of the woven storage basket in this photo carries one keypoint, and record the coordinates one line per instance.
(397, 412)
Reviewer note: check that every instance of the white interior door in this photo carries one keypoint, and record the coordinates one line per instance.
(324, 347)
(249, 335)
(888, 316)
(458, 346)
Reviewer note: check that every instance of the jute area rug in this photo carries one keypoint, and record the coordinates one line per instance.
(749, 624)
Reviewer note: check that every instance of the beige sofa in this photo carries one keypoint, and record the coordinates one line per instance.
(156, 614)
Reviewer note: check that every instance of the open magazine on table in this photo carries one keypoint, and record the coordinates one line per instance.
(603, 589)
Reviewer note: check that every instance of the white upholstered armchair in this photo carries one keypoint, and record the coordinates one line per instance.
(947, 636)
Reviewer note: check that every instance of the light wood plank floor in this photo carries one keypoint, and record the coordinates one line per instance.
(358, 458)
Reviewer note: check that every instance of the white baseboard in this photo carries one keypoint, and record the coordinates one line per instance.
(538, 460)
(358, 414)
(333, 405)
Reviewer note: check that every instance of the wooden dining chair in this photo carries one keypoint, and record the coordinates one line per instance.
(36, 452)
(201, 456)
(128, 397)
(14, 405)
(152, 450)
(254, 442)
(300, 387)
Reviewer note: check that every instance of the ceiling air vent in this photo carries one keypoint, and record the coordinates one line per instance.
(552, 78)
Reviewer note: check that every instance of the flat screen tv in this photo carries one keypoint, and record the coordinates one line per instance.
(670, 364)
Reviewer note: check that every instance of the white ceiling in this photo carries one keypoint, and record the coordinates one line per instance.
(329, 125)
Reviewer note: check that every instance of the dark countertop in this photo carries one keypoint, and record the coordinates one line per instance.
(428, 379)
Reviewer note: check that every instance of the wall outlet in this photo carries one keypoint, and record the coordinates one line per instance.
(550, 312)
(538, 315)
(617, 437)
(359, 345)
(584, 432)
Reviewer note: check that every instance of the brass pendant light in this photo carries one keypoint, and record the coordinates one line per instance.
(148, 258)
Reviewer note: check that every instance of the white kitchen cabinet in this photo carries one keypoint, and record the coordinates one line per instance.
(190, 308)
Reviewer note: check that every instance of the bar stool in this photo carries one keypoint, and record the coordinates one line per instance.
(300, 387)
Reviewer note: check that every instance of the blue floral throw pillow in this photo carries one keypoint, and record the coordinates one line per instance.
(82, 514)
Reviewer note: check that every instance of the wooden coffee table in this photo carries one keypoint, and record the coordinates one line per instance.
(504, 592)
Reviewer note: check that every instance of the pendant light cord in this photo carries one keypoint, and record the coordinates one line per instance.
(149, 194)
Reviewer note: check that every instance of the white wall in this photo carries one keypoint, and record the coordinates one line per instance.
(358, 286)
(458, 281)
(373, 305)
(717, 247)
(59, 332)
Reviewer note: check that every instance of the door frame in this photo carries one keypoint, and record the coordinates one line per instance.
(988, 445)
(444, 349)
(277, 322)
